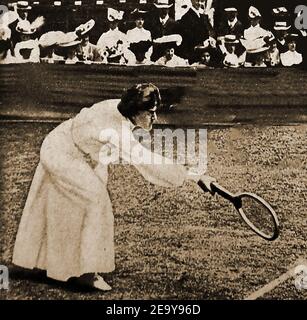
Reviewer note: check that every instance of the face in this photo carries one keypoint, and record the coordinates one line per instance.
(139, 22)
(255, 21)
(169, 54)
(206, 57)
(281, 34)
(292, 45)
(163, 12)
(196, 4)
(146, 118)
(85, 41)
(113, 25)
(25, 37)
(231, 16)
(22, 14)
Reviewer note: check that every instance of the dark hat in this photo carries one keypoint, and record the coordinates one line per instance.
(138, 13)
(291, 37)
(140, 48)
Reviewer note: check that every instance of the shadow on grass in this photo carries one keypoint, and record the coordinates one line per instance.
(40, 277)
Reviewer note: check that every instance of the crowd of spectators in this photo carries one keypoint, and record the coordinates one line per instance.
(193, 40)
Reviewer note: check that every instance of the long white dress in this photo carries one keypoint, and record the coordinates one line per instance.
(67, 223)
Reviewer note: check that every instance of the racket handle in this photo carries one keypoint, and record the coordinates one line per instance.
(216, 188)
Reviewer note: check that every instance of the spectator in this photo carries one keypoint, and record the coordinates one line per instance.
(139, 40)
(48, 43)
(169, 58)
(273, 55)
(196, 31)
(231, 25)
(255, 31)
(232, 58)
(291, 57)
(208, 57)
(113, 43)
(5, 46)
(87, 51)
(280, 32)
(27, 50)
(255, 38)
(69, 48)
(162, 25)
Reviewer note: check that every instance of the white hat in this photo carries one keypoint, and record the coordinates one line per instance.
(5, 33)
(232, 9)
(25, 27)
(51, 38)
(281, 25)
(175, 38)
(162, 4)
(231, 39)
(69, 39)
(85, 28)
(23, 5)
(255, 46)
(253, 12)
(114, 15)
(280, 10)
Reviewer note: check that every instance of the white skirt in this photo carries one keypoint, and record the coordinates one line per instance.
(67, 226)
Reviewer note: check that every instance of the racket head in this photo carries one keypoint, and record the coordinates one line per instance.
(258, 215)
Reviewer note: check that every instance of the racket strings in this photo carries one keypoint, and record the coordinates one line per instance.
(258, 215)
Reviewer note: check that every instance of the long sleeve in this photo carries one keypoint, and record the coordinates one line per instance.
(152, 166)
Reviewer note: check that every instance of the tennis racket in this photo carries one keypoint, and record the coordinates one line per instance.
(256, 212)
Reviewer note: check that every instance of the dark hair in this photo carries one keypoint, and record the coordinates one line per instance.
(138, 98)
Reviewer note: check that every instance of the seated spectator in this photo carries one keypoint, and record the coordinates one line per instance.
(230, 25)
(281, 29)
(48, 43)
(28, 49)
(162, 25)
(87, 51)
(291, 57)
(139, 41)
(159, 44)
(195, 30)
(233, 57)
(5, 46)
(68, 48)
(273, 55)
(169, 58)
(208, 57)
(113, 43)
(258, 57)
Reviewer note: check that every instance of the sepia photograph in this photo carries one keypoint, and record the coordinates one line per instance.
(153, 150)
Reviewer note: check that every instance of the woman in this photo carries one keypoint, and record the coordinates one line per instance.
(67, 223)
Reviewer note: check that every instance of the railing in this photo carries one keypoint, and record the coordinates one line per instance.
(209, 95)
